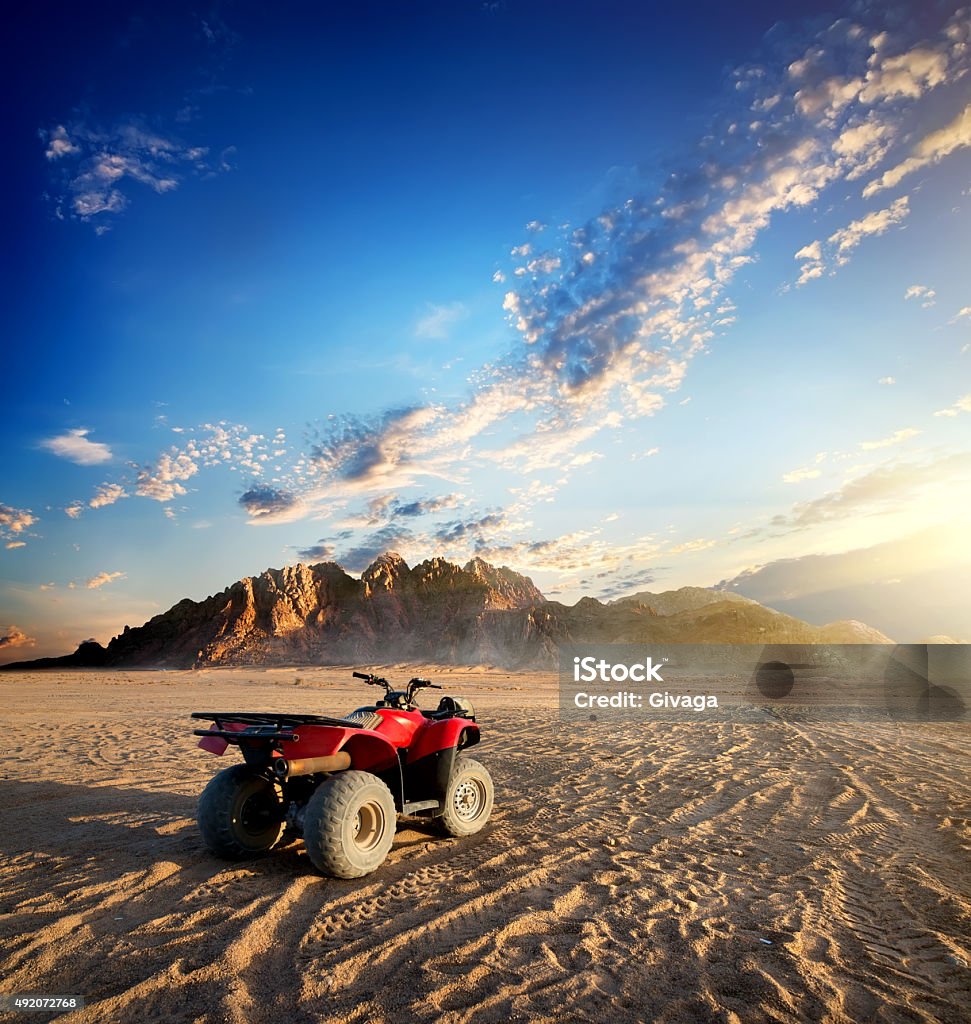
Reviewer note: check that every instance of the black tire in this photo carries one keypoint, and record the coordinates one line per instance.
(240, 813)
(468, 798)
(349, 824)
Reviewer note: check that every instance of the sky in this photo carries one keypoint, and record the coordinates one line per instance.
(624, 298)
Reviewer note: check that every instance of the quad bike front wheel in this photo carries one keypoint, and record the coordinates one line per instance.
(240, 813)
(349, 824)
(468, 798)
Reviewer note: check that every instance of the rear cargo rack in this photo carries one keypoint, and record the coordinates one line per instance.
(279, 721)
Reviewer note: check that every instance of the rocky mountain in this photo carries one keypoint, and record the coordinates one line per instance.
(434, 612)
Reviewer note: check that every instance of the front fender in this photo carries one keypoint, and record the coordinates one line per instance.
(444, 735)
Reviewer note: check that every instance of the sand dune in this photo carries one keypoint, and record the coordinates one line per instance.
(635, 872)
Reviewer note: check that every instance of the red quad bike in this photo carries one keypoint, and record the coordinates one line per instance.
(342, 782)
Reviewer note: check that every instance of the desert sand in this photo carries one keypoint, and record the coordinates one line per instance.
(633, 872)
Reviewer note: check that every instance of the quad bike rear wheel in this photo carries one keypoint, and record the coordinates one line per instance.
(349, 824)
(240, 813)
(468, 798)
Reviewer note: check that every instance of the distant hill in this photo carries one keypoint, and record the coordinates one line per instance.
(434, 612)
(670, 602)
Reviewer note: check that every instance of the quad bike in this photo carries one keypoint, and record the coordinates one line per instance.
(341, 782)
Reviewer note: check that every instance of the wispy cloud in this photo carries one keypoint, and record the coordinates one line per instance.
(15, 522)
(387, 452)
(931, 149)
(841, 243)
(897, 437)
(75, 447)
(963, 404)
(962, 314)
(94, 167)
(798, 475)
(927, 296)
(102, 579)
(613, 584)
(881, 489)
(438, 321)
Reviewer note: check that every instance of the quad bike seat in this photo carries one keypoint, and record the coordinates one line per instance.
(452, 707)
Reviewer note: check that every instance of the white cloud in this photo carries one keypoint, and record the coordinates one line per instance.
(874, 223)
(841, 243)
(803, 473)
(438, 321)
(103, 578)
(927, 296)
(74, 510)
(813, 251)
(961, 314)
(863, 144)
(897, 437)
(701, 544)
(963, 404)
(107, 494)
(58, 143)
(887, 380)
(544, 264)
(907, 74)
(931, 149)
(161, 483)
(14, 521)
(75, 446)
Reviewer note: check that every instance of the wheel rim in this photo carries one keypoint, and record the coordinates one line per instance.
(469, 799)
(369, 826)
(257, 814)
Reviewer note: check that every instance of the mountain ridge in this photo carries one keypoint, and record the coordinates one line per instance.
(436, 611)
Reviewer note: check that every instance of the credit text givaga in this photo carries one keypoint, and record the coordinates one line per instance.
(590, 670)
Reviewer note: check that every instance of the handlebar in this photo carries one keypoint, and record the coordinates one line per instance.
(409, 692)
(422, 683)
(371, 680)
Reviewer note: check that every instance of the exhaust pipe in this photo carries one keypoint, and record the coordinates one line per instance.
(284, 769)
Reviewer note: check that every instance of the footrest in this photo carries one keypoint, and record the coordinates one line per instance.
(421, 805)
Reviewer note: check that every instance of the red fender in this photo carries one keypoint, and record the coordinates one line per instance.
(369, 751)
(444, 735)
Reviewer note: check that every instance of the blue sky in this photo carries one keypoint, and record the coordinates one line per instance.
(623, 299)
